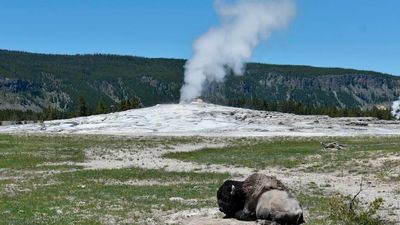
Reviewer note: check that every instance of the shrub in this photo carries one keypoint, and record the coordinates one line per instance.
(341, 213)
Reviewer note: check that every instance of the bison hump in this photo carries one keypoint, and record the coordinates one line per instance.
(258, 183)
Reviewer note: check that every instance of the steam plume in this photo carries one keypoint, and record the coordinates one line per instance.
(227, 47)
(396, 109)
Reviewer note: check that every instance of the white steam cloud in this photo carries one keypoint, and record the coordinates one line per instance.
(396, 109)
(227, 47)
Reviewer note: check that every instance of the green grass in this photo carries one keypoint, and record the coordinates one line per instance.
(82, 199)
(294, 153)
(259, 155)
(318, 206)
(23, 152)
(17, 152)
(334, 210)
(32, 192)
(127, 174)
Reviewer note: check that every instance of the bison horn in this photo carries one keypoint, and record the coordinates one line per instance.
(233, 190)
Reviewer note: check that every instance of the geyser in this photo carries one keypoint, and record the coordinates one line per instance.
(396, 109)
(227, 47)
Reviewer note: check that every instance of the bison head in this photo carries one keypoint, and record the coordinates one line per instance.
(231, 198)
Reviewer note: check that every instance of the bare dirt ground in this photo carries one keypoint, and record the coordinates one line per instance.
(334, 182)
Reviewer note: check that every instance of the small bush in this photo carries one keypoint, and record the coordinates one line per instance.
(340, 211)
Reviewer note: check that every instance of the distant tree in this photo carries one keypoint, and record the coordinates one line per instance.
(132, 103)
(82, 108)
(50, 113)
(306, 109)
(122, 105)
(135, 103)
(100, 108)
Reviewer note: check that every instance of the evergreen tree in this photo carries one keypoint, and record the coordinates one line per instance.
(82, 108)
(305, 109)
(100, 108)
(121, 105)
(136, 103)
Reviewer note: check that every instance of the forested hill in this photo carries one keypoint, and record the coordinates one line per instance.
(31, 81)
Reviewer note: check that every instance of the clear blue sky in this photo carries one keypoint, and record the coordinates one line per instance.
(361, 34)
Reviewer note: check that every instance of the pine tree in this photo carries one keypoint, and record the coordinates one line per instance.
(100, 108)
(121, 105)
(82, 108)
(135, 102)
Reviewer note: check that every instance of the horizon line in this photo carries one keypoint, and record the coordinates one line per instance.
(184, 59)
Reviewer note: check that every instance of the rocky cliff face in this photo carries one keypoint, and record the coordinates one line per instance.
(36, 81)
(344, 90)
(32, 95)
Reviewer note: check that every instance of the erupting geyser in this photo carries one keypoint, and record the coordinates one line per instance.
(396, 109)
(227, 47)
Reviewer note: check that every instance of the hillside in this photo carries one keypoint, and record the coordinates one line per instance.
(30, 81)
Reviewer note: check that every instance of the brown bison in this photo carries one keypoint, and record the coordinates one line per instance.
(259, 197)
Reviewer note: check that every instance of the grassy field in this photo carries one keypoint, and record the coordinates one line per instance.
(32, 192)
(303, 154)
(40, 182)
(78, 198)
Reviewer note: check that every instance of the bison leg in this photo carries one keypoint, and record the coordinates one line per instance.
(245, 215)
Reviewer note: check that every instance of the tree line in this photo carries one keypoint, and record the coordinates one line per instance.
(101, 108)
(82, 109)
(308, 109)
(299, 108)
